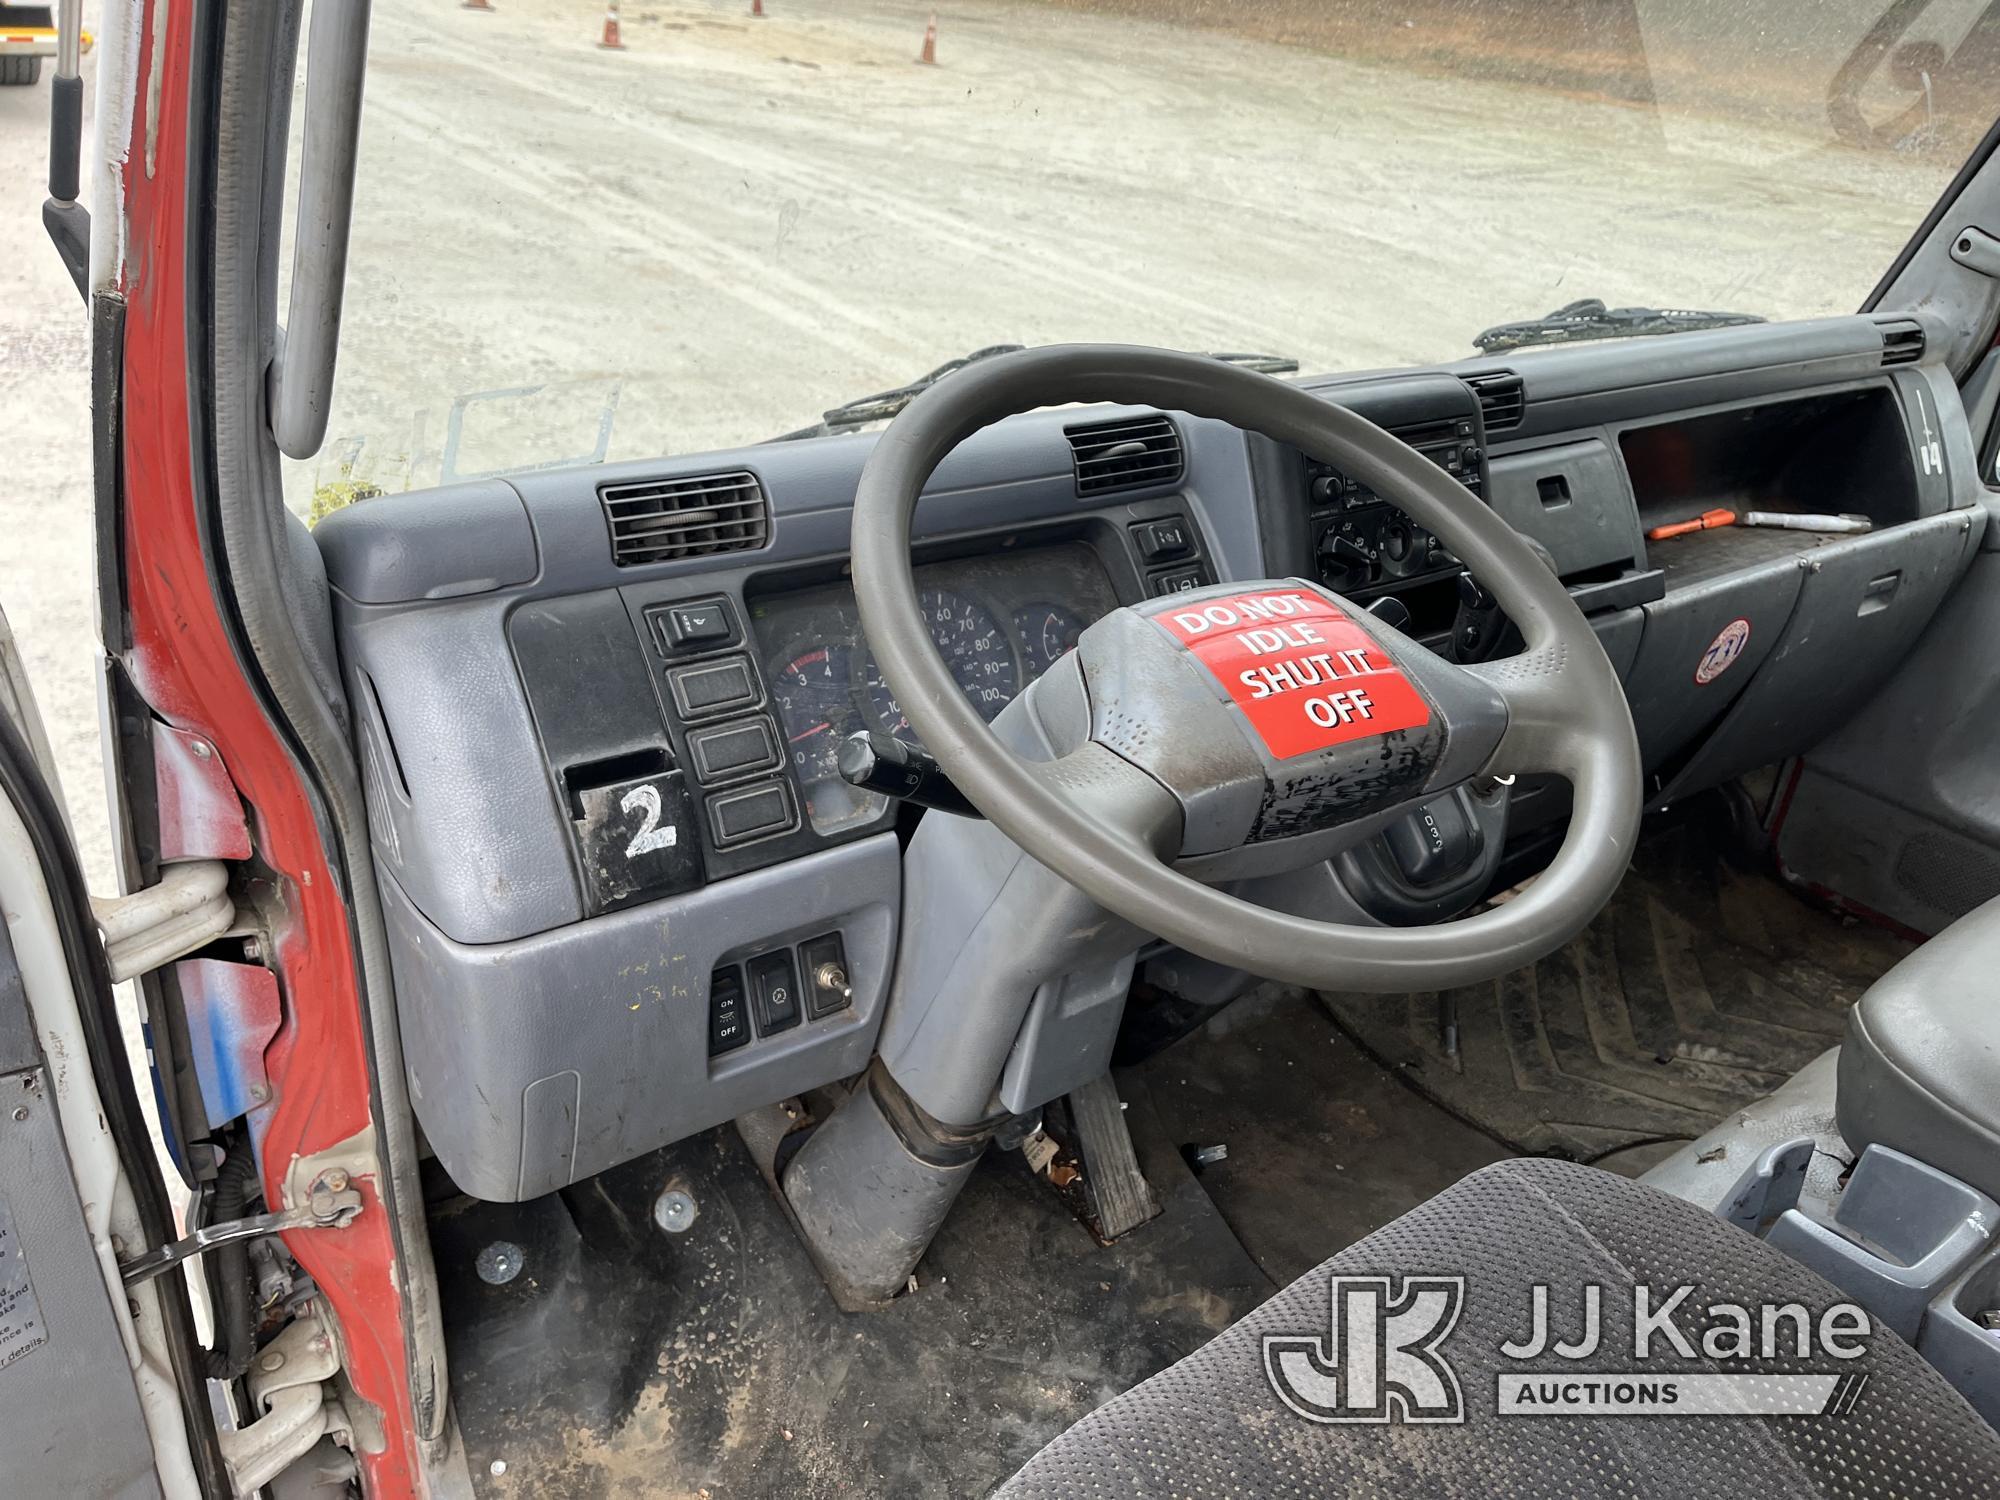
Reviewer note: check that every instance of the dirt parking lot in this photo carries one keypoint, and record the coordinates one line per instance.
(711, 236)
(707, 238)
(45, 459)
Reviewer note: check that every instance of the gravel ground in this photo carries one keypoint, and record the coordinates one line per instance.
(732, 224)
(45, 559)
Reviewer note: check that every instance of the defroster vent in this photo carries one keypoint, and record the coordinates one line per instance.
(1902, 341)
(663, 520)
(1501, 399)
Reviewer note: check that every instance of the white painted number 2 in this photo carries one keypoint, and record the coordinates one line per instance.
(650, 835)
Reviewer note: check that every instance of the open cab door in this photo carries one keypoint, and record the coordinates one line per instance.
(267, 1187)
(88, 1360)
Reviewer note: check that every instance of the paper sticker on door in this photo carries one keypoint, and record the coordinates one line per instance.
(1305, 675)
(21, 1329)
(1722, 651)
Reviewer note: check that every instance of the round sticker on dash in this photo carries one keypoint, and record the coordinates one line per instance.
(1722, 651)
(1305, 675)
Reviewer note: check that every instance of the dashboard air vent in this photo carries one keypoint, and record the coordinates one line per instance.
(1126, 454)
(1500, 398)
(661, 520)
(1902, 341)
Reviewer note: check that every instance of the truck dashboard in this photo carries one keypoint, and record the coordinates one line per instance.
(628, 894)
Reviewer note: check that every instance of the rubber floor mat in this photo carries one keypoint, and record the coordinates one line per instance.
(1324, 1146)
(1699, 988)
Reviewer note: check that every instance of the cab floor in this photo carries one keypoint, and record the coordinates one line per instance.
(620, 1360)
(1704, 984)
(623, 1361)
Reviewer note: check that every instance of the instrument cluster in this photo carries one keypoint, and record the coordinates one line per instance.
(999, 622)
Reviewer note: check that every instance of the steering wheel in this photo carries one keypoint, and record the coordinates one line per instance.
(1243, 714)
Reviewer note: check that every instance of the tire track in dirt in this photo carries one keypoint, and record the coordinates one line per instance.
(1055, 265)
(811, 311)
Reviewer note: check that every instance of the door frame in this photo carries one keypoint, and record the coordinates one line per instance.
(172, 628)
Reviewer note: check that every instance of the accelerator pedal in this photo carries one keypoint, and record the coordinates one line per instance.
(1124, 1198)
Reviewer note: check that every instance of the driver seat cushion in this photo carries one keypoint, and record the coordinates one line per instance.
(1211, 1425)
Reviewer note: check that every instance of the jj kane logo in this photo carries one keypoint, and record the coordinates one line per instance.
(1379, 1361)
(1382, 1357)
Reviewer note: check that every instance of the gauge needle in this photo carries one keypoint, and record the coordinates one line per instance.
(818, 728)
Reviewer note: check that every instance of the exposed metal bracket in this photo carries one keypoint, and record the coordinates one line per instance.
(1977, 250)
(188, 909)
(201, 817)
(233, 1012)
(332, 1204)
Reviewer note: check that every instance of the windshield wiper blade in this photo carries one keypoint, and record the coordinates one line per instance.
(852, 416)
(1591, 319)
(1263, 364)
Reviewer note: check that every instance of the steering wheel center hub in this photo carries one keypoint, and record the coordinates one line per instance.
(1288, 711)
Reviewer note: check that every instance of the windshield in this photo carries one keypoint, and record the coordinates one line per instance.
(735, 224)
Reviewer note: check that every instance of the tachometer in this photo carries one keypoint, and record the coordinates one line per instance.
(1047, 631)
(814, 692)
(975, 649)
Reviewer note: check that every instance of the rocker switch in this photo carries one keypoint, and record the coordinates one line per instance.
(728, 1019)
(697, 624)
(1163, 541)
(774, 987)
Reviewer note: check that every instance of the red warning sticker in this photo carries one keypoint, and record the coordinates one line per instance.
(1304, 674)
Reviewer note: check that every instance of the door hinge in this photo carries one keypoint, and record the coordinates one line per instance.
(291, 1404)
(190, 908)
(331, 1203)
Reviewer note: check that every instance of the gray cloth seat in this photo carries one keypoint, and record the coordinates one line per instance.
(1212, 1425)
(1920, 1069)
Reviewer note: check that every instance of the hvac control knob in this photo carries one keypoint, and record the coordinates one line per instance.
(1344, 562)
(1344, 552)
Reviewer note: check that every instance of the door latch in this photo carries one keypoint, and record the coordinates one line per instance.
(331, 1203)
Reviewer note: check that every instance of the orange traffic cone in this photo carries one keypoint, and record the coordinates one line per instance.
(611, 41)
(929, 58)
(476, 5)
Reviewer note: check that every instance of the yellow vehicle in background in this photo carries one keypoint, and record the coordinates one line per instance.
(27, 35)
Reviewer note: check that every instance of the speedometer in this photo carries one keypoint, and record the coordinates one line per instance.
(975, 650)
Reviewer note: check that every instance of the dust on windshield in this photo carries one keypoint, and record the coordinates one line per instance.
(732, 223)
